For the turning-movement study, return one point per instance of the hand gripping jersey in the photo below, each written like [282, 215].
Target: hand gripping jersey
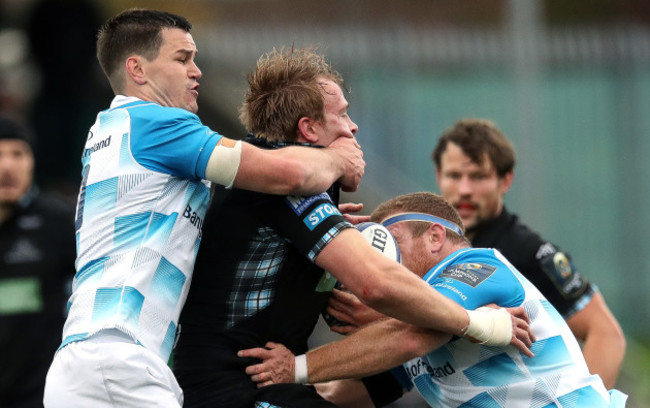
[466, 374]
[139, 217]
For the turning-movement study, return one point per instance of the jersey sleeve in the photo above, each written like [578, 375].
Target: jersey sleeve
[473, 283]
[559, 281]
[172, 141]
[309, 223]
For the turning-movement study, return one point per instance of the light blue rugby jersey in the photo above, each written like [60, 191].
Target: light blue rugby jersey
[139, 216]
[466, 374]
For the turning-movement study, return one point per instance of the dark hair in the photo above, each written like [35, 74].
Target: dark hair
[133, 31]
[10, 129]
[478, 139]
[425, 203]
[284, 88]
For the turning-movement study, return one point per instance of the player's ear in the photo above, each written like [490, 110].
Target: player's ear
[436, 236]
[135, 69]
[308, 129]
[506, 181]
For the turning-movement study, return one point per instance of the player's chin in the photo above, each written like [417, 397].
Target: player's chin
[192, 107]
[468, 218]
[10, 195]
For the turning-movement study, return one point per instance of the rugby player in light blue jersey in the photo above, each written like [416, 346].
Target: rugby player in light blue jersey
[448, 372]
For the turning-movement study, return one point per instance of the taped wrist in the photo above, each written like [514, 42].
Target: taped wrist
[224, 164]
[490, 326]
[300, 369]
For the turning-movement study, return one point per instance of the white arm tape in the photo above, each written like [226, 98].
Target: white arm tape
[300, 369]
[224, 164]
[490, 326]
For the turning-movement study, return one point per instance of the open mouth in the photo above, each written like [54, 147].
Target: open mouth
[465, 209]
[465, 206]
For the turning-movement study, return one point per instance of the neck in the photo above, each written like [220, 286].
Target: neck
[470, 233]
[448, 249]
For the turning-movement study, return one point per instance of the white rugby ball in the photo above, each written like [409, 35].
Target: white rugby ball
[381, 239]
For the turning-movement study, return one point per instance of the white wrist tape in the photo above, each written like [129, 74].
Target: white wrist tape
[490, 326]
[224, 164]
[300, 369]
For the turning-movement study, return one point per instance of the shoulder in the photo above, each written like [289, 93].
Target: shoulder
[151, 112]
[516, 240]
[518, 232]
[473, 264]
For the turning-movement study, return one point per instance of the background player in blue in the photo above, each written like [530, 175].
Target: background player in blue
[474, 169]
[270, 285]
[147, 166]
[455, 372]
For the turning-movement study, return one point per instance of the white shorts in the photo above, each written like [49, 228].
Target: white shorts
[110, 370]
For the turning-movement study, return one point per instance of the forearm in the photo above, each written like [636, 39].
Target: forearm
[291, 170]
[598, 329]
[408, 298]
[375, 348]
[606, 365]
[319, 168]
[389, 287]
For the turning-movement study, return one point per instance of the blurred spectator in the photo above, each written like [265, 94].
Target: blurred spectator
[37, 252]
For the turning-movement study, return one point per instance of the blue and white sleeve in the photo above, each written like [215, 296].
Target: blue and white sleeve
[172, 141]
[477, 284]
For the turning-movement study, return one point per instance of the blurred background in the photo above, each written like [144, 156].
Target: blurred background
[567, 81]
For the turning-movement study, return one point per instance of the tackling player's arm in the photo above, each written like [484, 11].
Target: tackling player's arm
[375, 348]
[390, 288]
[291, 170]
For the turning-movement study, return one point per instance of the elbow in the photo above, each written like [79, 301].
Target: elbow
[416, 344]
[619, 339]
[374, 293]
[378, 288]
[414, 341]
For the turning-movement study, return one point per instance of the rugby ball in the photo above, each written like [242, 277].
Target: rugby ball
[383, 241]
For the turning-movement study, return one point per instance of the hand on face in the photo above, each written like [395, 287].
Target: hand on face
[348, 149]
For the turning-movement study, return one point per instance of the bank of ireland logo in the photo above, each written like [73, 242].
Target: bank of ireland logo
[318, 214]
